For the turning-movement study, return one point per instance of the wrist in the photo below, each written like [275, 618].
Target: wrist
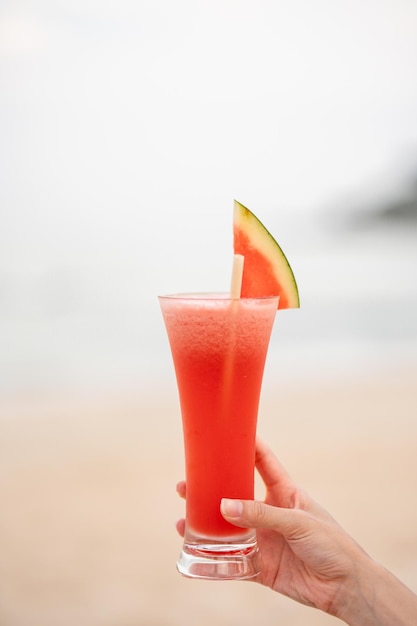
[350, 604]
[374, 597]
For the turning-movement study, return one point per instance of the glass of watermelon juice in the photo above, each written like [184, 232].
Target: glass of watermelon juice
[219, 346]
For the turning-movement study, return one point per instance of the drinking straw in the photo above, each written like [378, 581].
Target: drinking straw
[237, 275]
[235, 289]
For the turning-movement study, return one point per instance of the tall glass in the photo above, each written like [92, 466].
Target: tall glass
[219, 346]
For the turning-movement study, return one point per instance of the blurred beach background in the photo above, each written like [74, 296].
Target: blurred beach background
[126, 131]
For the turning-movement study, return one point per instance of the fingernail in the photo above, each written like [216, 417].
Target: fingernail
[231, 508]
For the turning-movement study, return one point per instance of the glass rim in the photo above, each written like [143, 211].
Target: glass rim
[213, 295]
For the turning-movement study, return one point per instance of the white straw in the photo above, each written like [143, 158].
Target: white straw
[237, 274]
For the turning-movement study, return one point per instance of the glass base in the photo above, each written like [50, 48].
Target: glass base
[219, 561]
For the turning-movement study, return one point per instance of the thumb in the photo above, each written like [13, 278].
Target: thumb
[254, 514]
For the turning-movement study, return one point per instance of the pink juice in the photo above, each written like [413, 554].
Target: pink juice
[219, 348]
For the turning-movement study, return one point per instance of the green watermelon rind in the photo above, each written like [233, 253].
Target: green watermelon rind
[262, 240]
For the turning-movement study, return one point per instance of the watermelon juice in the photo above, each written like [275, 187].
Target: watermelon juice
[219, 347]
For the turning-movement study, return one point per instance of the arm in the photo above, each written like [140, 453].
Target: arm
[381, 600]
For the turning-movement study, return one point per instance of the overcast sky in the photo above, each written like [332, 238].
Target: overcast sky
[128, 127]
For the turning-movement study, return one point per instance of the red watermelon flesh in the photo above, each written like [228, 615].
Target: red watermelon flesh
[266, 271]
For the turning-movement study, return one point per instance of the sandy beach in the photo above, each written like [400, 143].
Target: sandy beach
[88, 503]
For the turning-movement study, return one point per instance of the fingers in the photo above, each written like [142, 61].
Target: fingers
[180, 526]
[282, 491]
[181, 489]
[270, 469]
[291, 523]
[273, 474]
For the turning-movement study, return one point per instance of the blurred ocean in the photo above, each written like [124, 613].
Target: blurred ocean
[98, 328]
[126, 131]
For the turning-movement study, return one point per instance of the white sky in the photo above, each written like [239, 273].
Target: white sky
[128, 127]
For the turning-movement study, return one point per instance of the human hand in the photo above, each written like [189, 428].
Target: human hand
[307, 556]
[305, 553]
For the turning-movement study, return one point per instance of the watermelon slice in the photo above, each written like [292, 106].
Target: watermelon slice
[266, 271]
